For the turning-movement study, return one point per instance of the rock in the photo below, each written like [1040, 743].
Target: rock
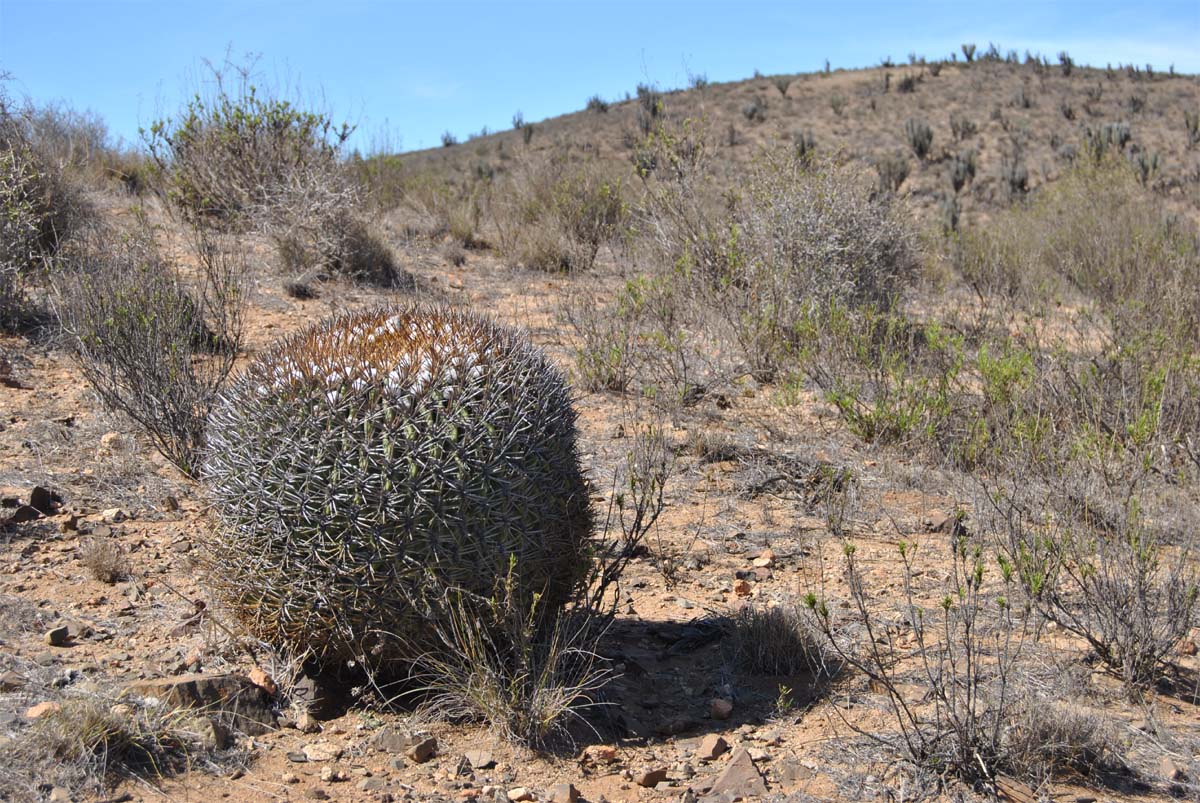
[43, 710]
[260, 678]
[316, 793]
[599, 754]
[742, 588]
[1187, 647]
[290, 778]
[44, 501]
[791, 772]
[334, 775]
[58, 636]
[520, 793]
[423, 750]
[396, 763]
[1171, 770]
[686, 604]
[11, 681]
[712, 747]
[321, 751]
[374, 784]
[59, 794]
[479, 759]
[740, 777]
[245, 705]
[650, 778]
[307, 723]
[720, 708]
[765, 560]
[563, 793]
[169, 504]
[297, 758]
[393, 740]
[113, 515]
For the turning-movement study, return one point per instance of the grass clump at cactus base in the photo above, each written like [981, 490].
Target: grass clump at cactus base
[362, 467]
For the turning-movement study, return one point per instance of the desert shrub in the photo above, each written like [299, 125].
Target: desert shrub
[606, 342]
[919, 136]
[1100, 142]
[1191, 124]
[1014, 176]
[962, 169]
[805, 144]
[232, 148]
[782, 82]
[962, 127]
[597, 104]
[554, 216]
[1101, 569]
[837, 102]
[892, 169]
[1147, 164]
[778, 640]
[951, 712]
[755, 110]
[104, 559]
[1095, 231]
[800, 236]
[427, 452]
[1068, 111]
[892, 381]
[95, 741]
[1049, 739]
[968, 51]
[41, 208]
[151, 346]
[907, 84]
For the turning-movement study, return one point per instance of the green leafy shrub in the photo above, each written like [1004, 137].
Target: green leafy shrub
[229, 153]
[364, 468]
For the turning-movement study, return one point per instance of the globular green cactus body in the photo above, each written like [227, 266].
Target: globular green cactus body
[363, 466]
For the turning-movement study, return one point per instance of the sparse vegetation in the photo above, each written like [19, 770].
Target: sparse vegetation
[919, 136]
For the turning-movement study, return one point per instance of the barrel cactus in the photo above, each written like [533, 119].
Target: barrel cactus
[362, 467]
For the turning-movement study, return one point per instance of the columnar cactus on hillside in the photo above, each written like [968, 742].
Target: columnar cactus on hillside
[366, 464]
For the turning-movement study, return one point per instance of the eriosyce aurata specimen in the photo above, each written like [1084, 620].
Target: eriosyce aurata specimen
[364, 466]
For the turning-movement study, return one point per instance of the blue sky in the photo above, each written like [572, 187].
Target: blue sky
[407, 71]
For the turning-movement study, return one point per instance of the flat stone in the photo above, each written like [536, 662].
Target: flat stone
[58, 636]
[563, 793]
[334, 775]
[423, 750]
[740, 777]
[599, 754]
[480, 759]
[374, 784]
[519, 793]
[393, 740]
[235, 697]
[711, 747]
[651, 778]
[321, 751]
[11, 681]
[316, 793]
[43, 710]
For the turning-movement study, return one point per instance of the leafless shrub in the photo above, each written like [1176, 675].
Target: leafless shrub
[1050, 739]
[97, 739]
[778, 640]
[104, 559]
[803, 233]
[150, 345]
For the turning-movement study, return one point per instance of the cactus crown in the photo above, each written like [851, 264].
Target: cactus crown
[363, 466]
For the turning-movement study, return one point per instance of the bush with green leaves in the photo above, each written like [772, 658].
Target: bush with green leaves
[364, 468]
[230, 150]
